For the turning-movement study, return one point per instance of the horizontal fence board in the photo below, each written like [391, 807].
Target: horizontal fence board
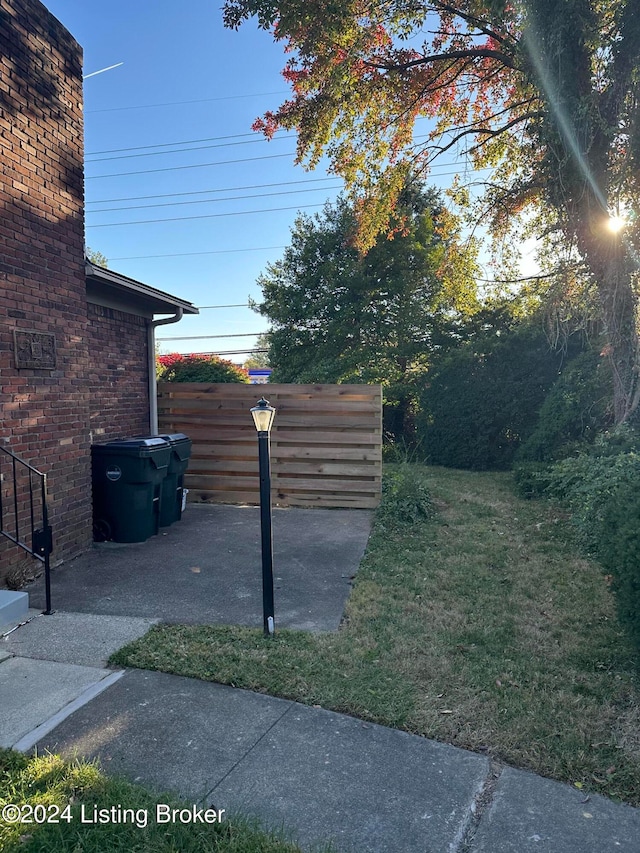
[311, 468]
[282, 455]
[346, 408]
[290, 418]
[230, 391]
[210, 432]
[326, 442]
[221, 496]
[326, 484]
[344, 501]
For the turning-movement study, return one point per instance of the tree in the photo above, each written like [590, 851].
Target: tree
[481, 399]
[260, 355]
[544, 91]
[96, 257]
[342, 316]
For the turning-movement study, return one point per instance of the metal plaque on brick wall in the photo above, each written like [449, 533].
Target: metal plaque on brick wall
[34, 349]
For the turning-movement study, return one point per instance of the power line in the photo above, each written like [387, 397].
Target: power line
[195, 166]
[182, 103]
[190, 254]
[211, 200]
[253, 135]
[170, 144]
[206, 192]
[182, 150]
[241, 305]
[235, 352]
[242, 160]
[205, 216]
[208, 337]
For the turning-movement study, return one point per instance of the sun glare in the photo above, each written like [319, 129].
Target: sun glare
[616, 223]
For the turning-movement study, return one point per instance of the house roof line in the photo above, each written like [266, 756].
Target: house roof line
[154, 300]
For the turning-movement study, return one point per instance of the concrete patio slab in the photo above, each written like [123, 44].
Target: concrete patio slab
[206, 569]
[530, 813]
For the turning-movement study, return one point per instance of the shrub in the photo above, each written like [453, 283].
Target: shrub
[574, 412]
[482, 399]
[406, 499]
[621, 552]
[531, 479]
[198, 368]
[602, 490]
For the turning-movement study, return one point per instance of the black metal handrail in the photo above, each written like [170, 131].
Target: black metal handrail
[40, 544]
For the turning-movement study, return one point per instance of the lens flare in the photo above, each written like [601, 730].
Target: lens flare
[616, 223]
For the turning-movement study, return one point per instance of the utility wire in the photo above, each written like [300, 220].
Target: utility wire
[196, 166]
[191, 254]
[243, 160]
[252, 137]
[182, 150]
[205, 216]
[212, 200]
[237, 352]
[205, 192]
[182, 103]
[171, 144]
[208, 337]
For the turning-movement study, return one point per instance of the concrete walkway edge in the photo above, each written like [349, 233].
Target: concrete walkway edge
[28, 741]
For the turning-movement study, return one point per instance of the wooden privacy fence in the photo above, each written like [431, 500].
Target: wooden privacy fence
[326, 442]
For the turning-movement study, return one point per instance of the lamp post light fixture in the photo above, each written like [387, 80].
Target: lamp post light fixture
[263, 415]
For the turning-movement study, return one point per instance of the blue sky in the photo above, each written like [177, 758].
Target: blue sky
[168, 137]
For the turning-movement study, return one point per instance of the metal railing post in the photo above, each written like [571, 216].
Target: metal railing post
[41, 545]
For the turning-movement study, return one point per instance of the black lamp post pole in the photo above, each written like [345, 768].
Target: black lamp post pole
[265, 525]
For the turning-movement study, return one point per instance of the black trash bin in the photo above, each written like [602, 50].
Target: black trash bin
[127, 480]
[173, 484]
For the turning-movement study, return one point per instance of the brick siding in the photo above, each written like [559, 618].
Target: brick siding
[44, 413]
[118, 374]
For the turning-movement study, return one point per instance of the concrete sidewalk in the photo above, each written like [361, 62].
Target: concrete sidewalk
[319, 775]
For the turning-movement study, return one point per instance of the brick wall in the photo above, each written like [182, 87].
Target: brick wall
[118, 378]
[44, 412]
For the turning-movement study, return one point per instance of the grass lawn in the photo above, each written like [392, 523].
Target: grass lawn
[480, 627]
[73, 792]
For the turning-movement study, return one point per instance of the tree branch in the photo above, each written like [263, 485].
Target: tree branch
[485, 131]
[468, 53]
[478, 23]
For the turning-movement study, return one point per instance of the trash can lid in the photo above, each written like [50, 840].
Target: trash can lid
[175, 437]
[134, 446]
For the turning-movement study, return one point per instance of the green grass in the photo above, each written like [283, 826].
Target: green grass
[481, 627]
[49, 782]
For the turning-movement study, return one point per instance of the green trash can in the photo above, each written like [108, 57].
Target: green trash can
[127, 477]
[173, 483]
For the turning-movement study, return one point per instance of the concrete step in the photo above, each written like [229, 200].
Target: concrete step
[14, 607]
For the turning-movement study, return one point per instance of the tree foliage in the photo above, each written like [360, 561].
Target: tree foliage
[260, 355]
[96, 257]
[543, 91]
[342, 316]
[481, 399]
[574, 412]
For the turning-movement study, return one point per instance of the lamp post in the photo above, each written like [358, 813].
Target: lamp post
[263, 415]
